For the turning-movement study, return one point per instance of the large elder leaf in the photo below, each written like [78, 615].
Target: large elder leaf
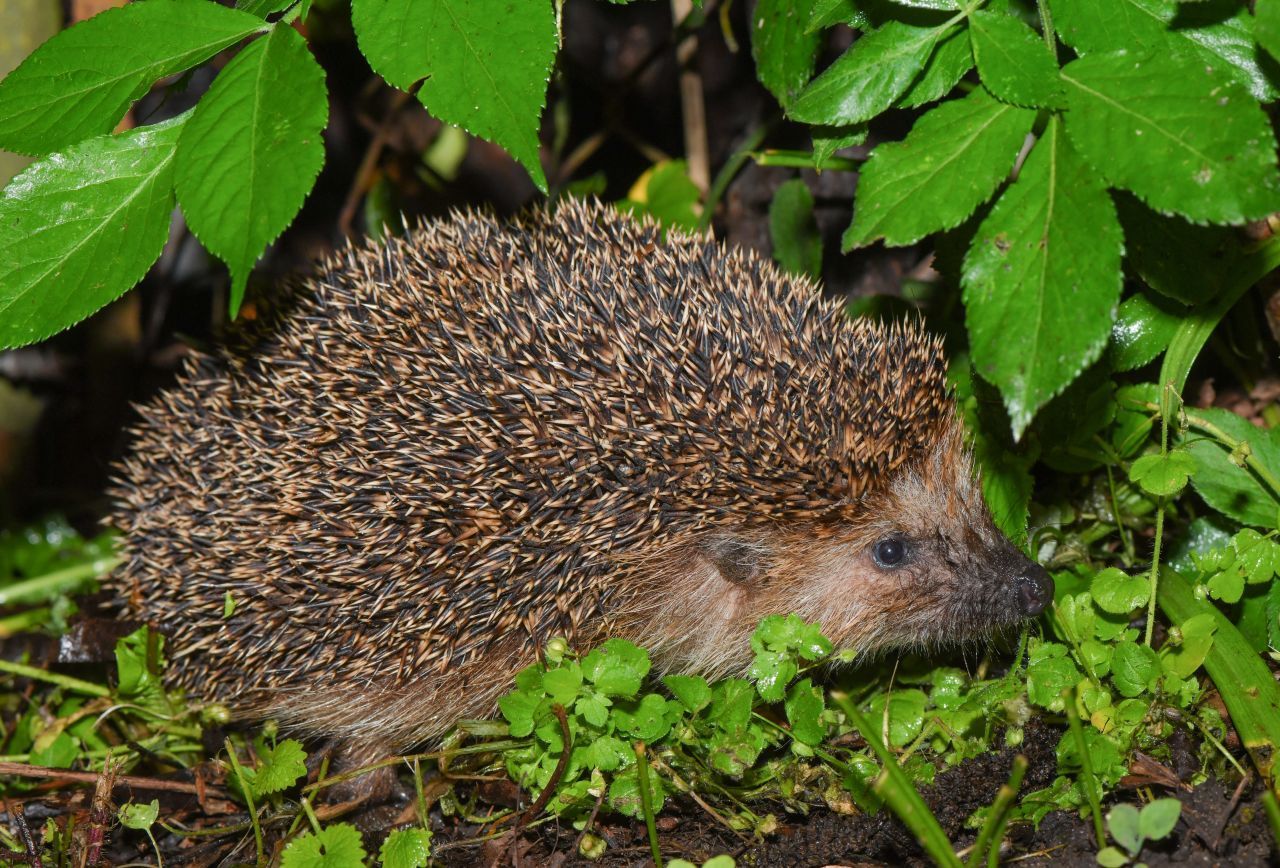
[252, 150]
[1013, 61]
[783, 51]
[1042, 279]
[82, 81]
[80, 227]
[484, 63]
[950, 163]
[1182, 136]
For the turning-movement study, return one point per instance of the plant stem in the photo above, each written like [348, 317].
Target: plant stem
[646, 801]
[993, 829]
[901, 796]
[1155, 572]
[731, 168]
[1046, 24]
[1087, 779]
[804, 160]
[248, 798]
[36, 674]
[57, 582]
[1273, 815]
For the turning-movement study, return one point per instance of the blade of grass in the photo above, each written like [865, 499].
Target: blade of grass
[1088, 781]
[646, 801]
[901, 795]
[993, 829]
[1273, 815]
[1250, 693]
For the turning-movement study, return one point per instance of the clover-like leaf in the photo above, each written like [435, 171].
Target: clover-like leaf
[335, 846]
[406, 848]
[1163, 474]
[1116, 592]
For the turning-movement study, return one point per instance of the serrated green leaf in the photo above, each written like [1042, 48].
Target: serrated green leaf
[79, 228]
[1162, 475]
[335, 846]
[1118, 593]
[1181, 136]
[804, 707]
[692, 691]
[1046, 256]
[1234, 491]
[941, 5]
[252, 150]
[783, 48]
[951, 59]
[828, 140]
[518, 709]
[1266, 14]
[1143, 328]
[906, 714]
[486, 63]
[81, 82]
[263, 8]
[869, 77]
[1216, 32]
[279, 767]
[951, 162]
[406, 848]
[797, 244]
[1183, 261]
[830, 12]
[1013, 62]
[1134, 668]
[616, 668]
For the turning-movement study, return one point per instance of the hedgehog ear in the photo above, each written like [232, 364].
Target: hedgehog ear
[739, 561]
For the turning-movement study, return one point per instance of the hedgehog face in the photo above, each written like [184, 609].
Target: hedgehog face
[926, 566]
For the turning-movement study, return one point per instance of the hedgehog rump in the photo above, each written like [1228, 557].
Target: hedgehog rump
[441, 452]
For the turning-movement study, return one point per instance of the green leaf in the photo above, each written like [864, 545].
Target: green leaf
[1142, 330]
[1163, 475]
[1180, 135]
[783, 48]
[279, 767]
[1122, 822]
[950, 163]
[1006, 486]
[138, 816]
[906, 714]
[869, 77]
[252, 150]
[797, 244]
[827, 13]
[486, 63]
[616, 668]
[82, 81]
[1111, 857]
[772, 672]
[1188, 655]
[1014, 63]
[406, 848]
[336, 846]
[647, 721]
[263, 8]
[1257, 556]
[608, 753]
[563, 684]
[1047, 255]
[1158, 818]
[79, 228]
[691, 691]
[140, 663]
[950, 60]
[1118, 593]
[1234, 491]
[1227, 586]
[1266, 14]
[666, 193]
[1134, 668]
[1178, 259]
[518, 708]
[1048, 678]
[804, 707]
[828, 140]
[624, 794]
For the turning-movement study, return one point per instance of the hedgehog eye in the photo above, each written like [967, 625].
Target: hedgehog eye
[890, 552]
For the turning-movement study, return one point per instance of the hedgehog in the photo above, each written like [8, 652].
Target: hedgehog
[380, 498]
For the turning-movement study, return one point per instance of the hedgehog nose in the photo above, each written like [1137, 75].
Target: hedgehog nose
[1035, 589]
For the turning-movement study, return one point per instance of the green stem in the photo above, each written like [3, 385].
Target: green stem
[1273, 815]
[35, 674]
[23, 622]
[804, 160]
[731, 168]
[646, 802]
[1155, 572]
[1200, 423]
[248, 798]
[57, 582]
[901, 796]
[993, 829]
[1088, 782]
[1046, 24]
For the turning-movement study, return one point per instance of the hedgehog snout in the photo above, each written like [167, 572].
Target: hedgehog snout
[1035, 589]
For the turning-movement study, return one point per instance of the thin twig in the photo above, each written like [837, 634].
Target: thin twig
[23, 770]
[369, 163]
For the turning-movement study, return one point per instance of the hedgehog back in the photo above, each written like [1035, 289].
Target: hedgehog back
[457, 436]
